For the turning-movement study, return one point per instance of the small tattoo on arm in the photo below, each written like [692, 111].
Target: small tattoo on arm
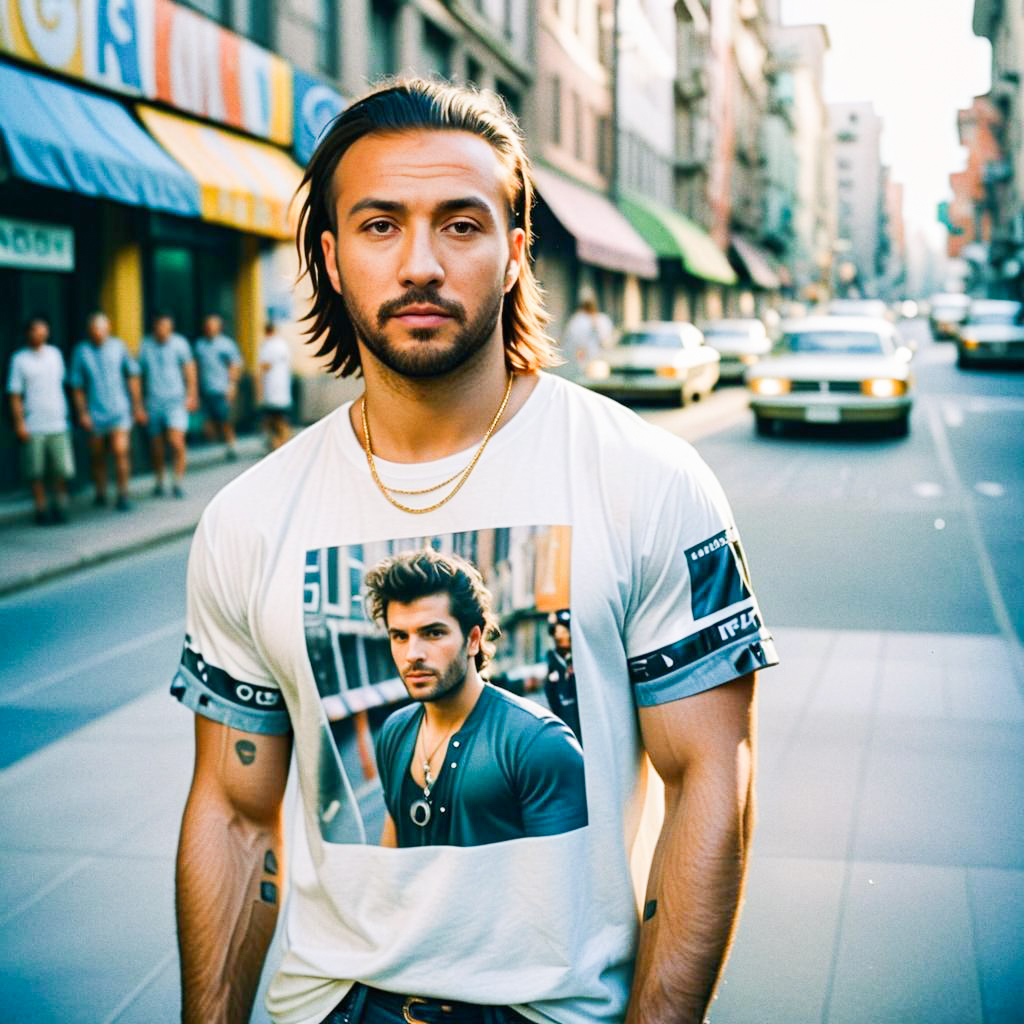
[246, 751]
[650, 909]
[270, 863]
[268, 892]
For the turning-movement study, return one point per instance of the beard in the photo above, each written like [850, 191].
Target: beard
[449, 682]
[427, 360]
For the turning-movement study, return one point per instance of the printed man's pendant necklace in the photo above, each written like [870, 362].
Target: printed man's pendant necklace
[420, 812]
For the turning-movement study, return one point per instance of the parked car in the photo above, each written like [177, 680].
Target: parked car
[659, 359]
[834, 370]
[993, 331]
[740, 343]
[947, 313]
[859, 307]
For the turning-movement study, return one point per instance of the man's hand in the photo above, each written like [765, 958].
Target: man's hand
[141, 416]
[22, 432]
[703, 748]
[85, 421]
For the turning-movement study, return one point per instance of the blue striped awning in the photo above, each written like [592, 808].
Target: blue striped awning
[67, 138]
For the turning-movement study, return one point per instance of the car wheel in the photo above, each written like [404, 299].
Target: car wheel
[764, 426]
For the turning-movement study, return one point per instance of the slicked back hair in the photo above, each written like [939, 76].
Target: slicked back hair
[408, 577]
[406, 105]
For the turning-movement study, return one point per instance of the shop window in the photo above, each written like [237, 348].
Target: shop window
[437, 49]
[190, 280]
[383, 59]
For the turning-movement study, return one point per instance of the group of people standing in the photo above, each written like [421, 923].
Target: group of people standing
[112, 390]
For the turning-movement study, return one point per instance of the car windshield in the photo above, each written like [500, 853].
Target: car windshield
[729, 331]
[994, 317]
[653, 339]
[851, 342]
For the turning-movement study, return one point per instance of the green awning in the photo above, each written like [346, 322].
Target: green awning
[675, 237]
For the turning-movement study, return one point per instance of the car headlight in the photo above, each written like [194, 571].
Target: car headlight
[748, 359]
[769, 386]
[669, 371]
[598, 370]
[883, 387]
[969, 342]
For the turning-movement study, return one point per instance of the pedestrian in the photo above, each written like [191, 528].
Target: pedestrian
[275, 386]
[39, 408]
[560, 682]
[416, 231]
[587, 331]
[169, 373]
[220, 366]
[108, 399]
[521, 769]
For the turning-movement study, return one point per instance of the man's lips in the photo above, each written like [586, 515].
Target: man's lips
[422, 316]
[420, 676]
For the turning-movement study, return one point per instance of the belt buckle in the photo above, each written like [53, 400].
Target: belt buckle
[407, 1006]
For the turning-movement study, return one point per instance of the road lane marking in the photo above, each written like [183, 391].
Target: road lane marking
[928, 489]
[988, 574]
[87, 664]
[990, 488]
[952, 414]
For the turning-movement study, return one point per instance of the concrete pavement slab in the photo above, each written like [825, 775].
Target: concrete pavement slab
[997, 905]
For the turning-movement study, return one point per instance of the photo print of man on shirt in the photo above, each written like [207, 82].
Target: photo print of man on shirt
[431, 656]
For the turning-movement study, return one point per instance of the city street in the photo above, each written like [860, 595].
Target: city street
[888, 875]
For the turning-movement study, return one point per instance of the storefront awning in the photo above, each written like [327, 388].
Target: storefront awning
[242, 183]
[603, 236]
[67, 138]
[756, 262]
[674, 236]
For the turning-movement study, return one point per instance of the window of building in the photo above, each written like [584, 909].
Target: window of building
[508, 19]
[474, 72]
[327, 36]
[556, 109]
[511, 96]
[577, 125]
[219, 10]
[437, 49]
[604, 149]
[383, 59]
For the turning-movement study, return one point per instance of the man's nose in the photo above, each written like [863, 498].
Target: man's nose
[421, 266]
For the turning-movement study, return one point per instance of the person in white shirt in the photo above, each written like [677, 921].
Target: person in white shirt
[586, 332]
[275, 391]
[39, 408]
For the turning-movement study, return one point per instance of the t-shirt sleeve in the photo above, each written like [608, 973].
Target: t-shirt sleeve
[15, 378]
[693, 622]
[77, 377]
[550, 781]
[221, 675]
[234, 355]
[130, 365]
[184, 352]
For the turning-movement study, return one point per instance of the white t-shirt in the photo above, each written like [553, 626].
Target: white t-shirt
[576, 503]
[38, 376]
[585, 335]
[277, 379]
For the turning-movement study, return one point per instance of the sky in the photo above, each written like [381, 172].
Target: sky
[918, 62]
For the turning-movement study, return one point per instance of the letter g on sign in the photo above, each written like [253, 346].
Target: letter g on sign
[52, 29]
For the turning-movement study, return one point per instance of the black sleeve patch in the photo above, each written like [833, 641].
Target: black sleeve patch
[246, 695]
[718, 574]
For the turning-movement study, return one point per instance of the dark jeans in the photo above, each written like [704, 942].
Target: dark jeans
[363, 1005]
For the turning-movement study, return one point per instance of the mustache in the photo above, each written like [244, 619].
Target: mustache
[421, 296]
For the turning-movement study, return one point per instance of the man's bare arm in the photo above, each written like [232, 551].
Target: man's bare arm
[230, 870]
[703, 747]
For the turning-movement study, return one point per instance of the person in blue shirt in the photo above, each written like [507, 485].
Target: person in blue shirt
[169, 374]
[220, 365]
[108, 399]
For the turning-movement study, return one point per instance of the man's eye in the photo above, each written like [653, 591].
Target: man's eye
[462, 227]
[379, 227]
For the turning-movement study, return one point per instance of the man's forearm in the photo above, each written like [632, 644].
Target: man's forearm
[230, 874]
[694, 894]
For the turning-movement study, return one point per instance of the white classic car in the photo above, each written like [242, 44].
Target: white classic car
[992, 331]
[658, 359]
[740, 343]
[834, 370]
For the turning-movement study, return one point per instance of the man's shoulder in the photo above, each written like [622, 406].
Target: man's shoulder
[527, 715]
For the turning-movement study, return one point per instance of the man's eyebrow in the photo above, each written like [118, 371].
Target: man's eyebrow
[447, 206]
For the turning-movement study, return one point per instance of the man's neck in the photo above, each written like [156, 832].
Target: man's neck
[450, 711]
[420, 420]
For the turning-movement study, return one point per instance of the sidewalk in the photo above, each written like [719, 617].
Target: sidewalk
[32, 554]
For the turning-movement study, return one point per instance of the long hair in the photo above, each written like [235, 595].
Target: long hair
[414, 574]
[410, 105]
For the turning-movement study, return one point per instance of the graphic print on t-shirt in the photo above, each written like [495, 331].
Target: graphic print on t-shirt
[514, 767]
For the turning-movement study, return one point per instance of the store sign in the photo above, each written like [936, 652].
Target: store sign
[316, 105]
[159, 50]
[30, 246]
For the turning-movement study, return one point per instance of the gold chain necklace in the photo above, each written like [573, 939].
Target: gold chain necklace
[458, 479]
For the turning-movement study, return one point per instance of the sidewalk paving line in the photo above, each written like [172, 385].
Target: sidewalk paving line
[125, 647]
[161, 965]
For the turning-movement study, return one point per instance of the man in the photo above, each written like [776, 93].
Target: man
[587, 331]
[416, 230]
[275, 395]
[560, 682]
[39, 408]
[169, 372]
[105, 390]
[521, 770]
[220, 365]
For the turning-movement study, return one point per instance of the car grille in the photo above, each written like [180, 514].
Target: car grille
[633, 371]
[841, 386]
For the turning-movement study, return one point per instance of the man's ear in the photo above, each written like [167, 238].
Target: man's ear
[516, 255]
[329, 245]
[476, 636]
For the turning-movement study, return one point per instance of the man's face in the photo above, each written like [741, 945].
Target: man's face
[99, 328]
[212, 326]
[430, 651]
[163, 328]
[563, 639]
[423, 254]
[38, 333]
